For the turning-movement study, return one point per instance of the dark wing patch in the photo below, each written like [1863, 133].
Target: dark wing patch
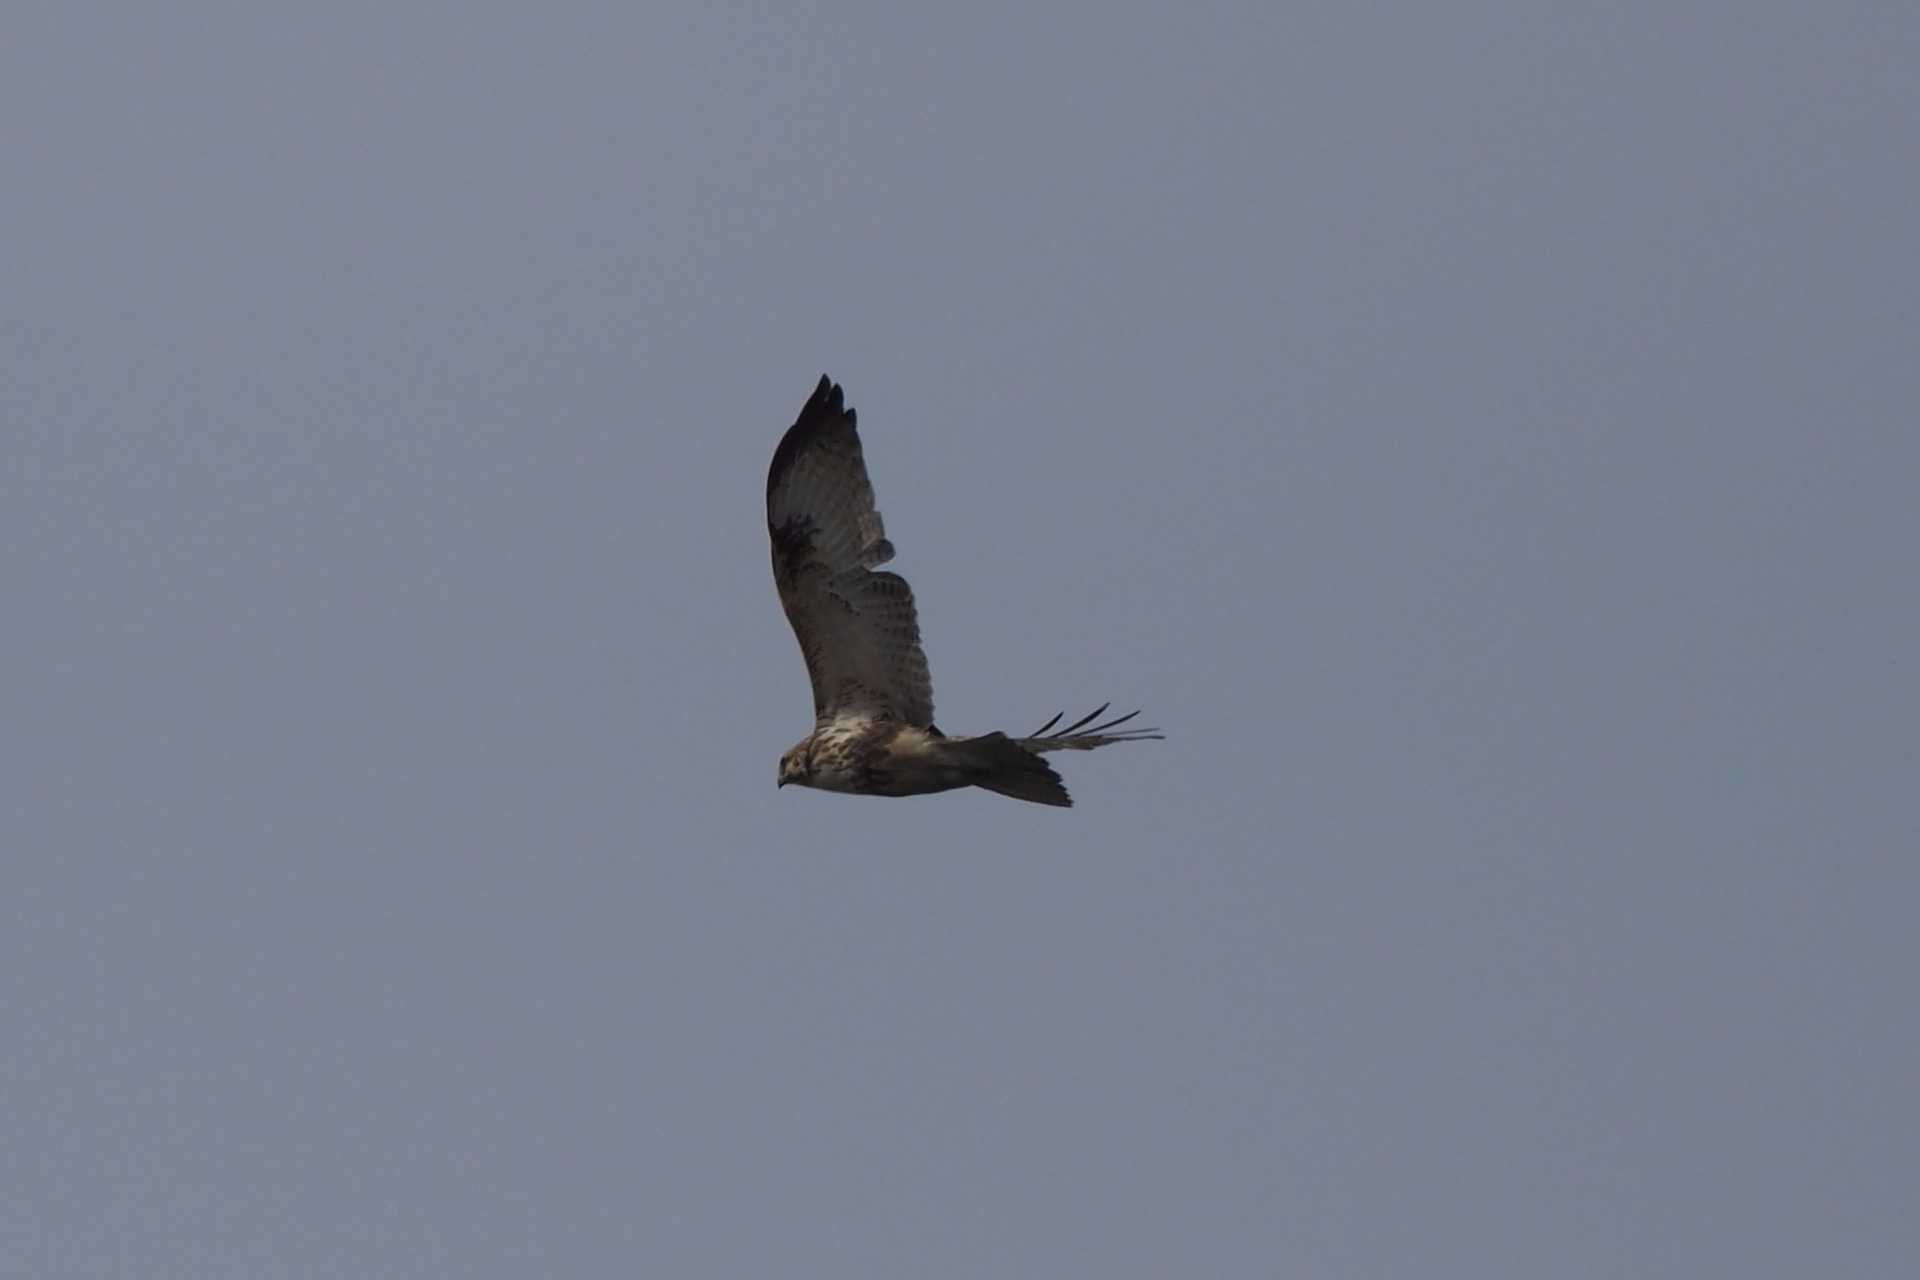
[858, 629]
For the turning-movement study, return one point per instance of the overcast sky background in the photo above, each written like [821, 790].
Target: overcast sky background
[1482, 435]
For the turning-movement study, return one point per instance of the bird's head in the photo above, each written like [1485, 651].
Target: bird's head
[797, 764]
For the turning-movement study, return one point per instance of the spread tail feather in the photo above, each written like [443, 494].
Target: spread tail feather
[1002, 765]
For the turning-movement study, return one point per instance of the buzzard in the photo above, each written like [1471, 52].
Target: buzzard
[873, 730]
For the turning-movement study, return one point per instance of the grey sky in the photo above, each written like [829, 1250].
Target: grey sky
[1482, 435]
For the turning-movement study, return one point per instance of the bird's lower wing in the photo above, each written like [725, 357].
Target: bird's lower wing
[1078, 736]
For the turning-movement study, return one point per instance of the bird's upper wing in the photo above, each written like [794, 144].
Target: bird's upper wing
[857, 629]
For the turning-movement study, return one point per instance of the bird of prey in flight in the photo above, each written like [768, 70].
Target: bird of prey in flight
[873, 730]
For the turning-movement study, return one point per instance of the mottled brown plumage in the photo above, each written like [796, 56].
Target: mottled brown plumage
[858, 631]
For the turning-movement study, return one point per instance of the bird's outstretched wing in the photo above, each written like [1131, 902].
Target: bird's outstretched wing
[857, 628]
[1078, 737]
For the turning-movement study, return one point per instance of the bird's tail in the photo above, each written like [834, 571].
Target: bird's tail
[1013, 767]
[1002, 765]
[1078, 737]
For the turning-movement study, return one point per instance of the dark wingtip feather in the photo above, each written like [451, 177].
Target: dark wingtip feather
[829, 399]
[1083, 721]
[824, 408]
[1076, 735]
